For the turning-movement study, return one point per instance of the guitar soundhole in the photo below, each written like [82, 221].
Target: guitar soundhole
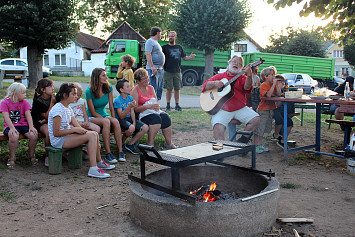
[211, 95]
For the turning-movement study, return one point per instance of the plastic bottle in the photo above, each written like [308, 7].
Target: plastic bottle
[347, 91]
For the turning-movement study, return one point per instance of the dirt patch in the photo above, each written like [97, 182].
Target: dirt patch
[34, 203]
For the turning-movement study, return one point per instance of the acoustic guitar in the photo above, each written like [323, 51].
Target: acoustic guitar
[213, 100]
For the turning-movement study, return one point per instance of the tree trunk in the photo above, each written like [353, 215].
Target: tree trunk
[209, 55]
[35, 61]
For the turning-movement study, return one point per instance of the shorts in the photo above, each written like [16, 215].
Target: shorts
[21, 130]
[126, 122]
[265, 125]
[279, 118]
[162, 118]
[172, 80]
[333, 107]
[244, 115]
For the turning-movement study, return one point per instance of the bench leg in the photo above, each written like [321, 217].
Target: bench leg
[55, 162]
[75, 158]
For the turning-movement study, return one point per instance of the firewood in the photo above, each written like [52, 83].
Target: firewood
[296, 220]
[295, 233]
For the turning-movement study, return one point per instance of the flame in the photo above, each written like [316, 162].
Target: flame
[208, 196]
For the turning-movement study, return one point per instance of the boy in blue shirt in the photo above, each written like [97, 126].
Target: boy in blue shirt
[124, 112]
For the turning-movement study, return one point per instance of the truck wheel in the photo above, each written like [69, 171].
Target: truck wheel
[189, 78]
[311, 91]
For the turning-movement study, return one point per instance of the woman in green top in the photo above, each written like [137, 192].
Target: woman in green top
[98, 95]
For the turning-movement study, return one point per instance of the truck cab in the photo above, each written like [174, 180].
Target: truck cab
[119, 48]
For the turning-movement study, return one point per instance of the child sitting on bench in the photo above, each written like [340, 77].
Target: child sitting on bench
[65, 131]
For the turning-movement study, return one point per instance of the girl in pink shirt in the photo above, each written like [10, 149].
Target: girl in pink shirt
[18, 120]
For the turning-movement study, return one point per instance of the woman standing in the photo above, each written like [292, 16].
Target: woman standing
[154, 117]
[98, 95]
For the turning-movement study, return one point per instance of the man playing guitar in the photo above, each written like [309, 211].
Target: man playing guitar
[235, 107]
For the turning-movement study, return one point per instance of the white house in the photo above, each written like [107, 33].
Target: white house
[70, 60]
[247, 45]
[342, 67]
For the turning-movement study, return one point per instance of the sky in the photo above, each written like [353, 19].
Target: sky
[267, 20]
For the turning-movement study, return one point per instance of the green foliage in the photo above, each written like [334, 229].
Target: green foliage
[349, 54]
[37, 25]
[42, 24]
[297, 42]
[342, 12]
[209, 25]
[141, 15]
[289, 186]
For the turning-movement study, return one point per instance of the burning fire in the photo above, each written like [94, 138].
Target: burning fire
[208, 196]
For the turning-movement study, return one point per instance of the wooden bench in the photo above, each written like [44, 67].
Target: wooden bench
[17, 75]
[348, 125]
[55, 155]
[75, 160]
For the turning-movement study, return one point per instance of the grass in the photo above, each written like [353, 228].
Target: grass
[7, 196]
[289, 186]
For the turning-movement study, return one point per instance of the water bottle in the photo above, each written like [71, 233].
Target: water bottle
[347, 91]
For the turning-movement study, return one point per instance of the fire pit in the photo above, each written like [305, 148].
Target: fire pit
[247, 204]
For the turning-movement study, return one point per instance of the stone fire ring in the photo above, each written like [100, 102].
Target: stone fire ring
[165, 215]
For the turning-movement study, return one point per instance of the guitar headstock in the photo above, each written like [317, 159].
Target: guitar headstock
[257, 63]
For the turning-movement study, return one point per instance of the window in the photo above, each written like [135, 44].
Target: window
[8, 62]
[21, 63]
[338, 53]
[240, 48]
[120, 47]
[45, 59]
[60, 59]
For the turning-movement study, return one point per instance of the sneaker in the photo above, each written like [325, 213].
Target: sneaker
[103, 165]
[168, 108]
[280, 143]
[121, 157]
[46, 162]
[178, 108]
[110, 158]
[97, 173]
[132, 149]
[264, 148]
[258, 149]
[275, 137]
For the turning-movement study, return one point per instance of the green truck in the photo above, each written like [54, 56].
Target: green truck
[192, 71]
[320, 69]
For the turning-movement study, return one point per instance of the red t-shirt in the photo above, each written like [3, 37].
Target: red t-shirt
[238, 100]
[266, 105]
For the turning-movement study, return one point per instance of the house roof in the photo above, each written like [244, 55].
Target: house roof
[254, 42]
[327, 44]
[88, 41]
[124, 31]
[2, 48]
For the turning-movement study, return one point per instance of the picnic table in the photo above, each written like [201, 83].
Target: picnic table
[346, 106]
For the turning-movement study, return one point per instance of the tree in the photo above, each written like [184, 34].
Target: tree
[297, 42]
[39, 25]
[349, 54]
[341, 11]
[209, 25]
[142, 15]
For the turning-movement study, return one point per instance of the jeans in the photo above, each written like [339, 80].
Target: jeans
[157, 81]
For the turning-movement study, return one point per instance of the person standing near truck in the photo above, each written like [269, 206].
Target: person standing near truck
[155, 61]
[172, 69]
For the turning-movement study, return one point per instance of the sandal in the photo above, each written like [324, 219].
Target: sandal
[10, 164]
[171, 146]
[34, 161]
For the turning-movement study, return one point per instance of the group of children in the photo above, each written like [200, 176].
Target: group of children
[273, 85]
[67, 121]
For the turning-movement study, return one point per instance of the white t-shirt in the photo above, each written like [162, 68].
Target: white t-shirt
[66, 114]
[78, 109]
